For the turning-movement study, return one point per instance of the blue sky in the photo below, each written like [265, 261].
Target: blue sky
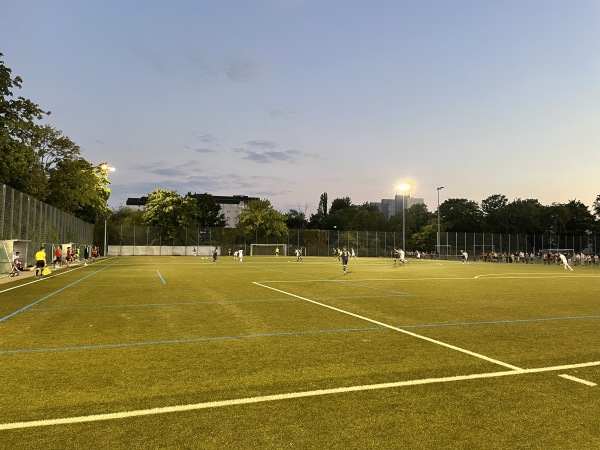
[287, 99]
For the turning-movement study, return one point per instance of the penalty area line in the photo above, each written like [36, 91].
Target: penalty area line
[577, 380]
[401, 330]
[279, 397]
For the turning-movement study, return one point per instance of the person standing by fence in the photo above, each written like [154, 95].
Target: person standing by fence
[40, 261]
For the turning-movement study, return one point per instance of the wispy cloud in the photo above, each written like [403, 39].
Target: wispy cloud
[168, 172]
[264, 151]
[204, 150]
[267, 157]
[280, 113]
[206, 138]
[244, 71]
[261, 143]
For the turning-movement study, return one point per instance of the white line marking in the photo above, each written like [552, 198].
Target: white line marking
[391, 327]
[277, 397]
[578, 380]
[528, 276]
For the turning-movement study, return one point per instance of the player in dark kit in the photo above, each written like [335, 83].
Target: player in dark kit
[344, 256]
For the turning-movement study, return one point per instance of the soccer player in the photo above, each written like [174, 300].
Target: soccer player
[57, 256]
[401, 256]
[464, 257]
[344, 256]
[564, 262]
[241, 255]
[215, 253]
[276, 251]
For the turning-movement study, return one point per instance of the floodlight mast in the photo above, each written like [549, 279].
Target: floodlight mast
[105, 169]
[438, 217]
[403, 188]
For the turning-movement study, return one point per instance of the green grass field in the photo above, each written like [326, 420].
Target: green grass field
[175, 352]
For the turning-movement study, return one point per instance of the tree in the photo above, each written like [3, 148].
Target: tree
[494, 213]
[18, 165]
[426, 238]
[460, 214]
[77, 187]
[318, 220]
[51, 146]
[127, 216]
[523, 217]
[260, 218]
[340, 204]
[363, 217]
[415, 217]
[580, 221]
[296, 220]
[209, 212]
[168, 212]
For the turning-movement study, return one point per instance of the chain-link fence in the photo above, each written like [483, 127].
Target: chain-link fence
[26, 224]
[142, 240]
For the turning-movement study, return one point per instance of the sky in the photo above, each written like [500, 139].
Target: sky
[289, 99]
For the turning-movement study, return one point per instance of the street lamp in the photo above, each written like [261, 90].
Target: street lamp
[105, 169]
[438, 214]
[403, 187]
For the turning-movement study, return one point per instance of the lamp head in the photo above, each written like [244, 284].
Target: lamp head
[403, 187]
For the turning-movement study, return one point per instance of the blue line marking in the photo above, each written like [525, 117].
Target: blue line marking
[184, 341]
[207, 302]
[52, 294]
[286, 333]
[160, 276]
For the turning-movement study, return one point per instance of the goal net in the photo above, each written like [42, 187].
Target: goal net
[268, 249]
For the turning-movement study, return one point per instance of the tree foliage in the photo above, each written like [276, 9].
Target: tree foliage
[40, 161]
[168, 212]
[261, 219]
[208, 214]
[317, 221]
[461, 215]
[296, 220]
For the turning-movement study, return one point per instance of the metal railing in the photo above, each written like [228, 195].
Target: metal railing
[141, 240]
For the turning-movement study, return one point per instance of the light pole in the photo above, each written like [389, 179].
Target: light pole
[105, 169]
[438, 214]
[403, 187]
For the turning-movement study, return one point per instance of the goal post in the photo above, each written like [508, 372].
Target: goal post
[268, 250]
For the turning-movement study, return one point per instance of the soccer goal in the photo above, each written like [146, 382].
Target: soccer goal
[268, 249]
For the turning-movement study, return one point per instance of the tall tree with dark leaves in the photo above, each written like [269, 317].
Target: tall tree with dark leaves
[209, 212]
[19, 166]
[317, 221]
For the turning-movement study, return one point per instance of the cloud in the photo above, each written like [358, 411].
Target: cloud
[255, 156]
[244, 71]
[280, 113]
[261, 143]
[206, 138]
[204, 150]
[271, 156]
[168, 172]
